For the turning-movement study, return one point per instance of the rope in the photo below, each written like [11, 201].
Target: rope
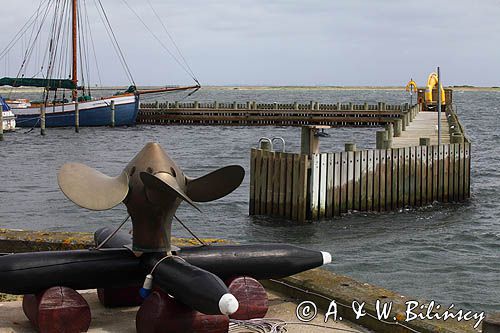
[112, 234]
[173, 42]
[192, 233]
[270, 325]
[114, 41]
[160, 41]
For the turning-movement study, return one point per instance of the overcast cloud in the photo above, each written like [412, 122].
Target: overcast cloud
[291, 42]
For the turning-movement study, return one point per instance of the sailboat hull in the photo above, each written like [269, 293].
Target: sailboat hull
[91, 113]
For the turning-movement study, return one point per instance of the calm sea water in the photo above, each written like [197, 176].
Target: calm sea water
[446, 252]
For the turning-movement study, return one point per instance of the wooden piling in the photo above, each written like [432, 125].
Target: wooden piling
[398, 127]
[457, 138]
[424, 141]
[381, 138]
[350, 146]
[389, 127]
[1, 122]
[77, 118]
[112, 113]
[42, 119]
[330, 183]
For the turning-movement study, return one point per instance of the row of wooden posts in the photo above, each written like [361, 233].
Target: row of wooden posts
[302, 187]
[77, 117]
[253, 105]
[268, 114]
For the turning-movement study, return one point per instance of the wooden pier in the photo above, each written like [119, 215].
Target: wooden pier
[270, 114]
[408, 169]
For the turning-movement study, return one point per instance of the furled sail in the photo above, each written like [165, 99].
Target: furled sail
[51, 84]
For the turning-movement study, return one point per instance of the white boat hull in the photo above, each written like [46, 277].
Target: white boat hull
[9, 121]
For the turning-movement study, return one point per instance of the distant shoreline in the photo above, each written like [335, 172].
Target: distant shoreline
[346, 88]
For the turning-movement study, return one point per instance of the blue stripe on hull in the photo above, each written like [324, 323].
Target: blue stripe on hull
[125, 115]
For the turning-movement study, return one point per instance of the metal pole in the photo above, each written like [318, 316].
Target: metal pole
[439, 106]
[77, 118]
[1, 122]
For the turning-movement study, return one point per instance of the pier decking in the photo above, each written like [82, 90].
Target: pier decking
[423, 126]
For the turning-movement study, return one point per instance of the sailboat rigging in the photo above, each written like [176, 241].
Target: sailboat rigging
[60, 111]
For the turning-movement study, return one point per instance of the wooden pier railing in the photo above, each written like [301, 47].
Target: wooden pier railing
[272, 114]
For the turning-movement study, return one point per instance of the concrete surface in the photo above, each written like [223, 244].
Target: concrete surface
[12, 318]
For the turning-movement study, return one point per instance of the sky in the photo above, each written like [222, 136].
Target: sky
[285, 42]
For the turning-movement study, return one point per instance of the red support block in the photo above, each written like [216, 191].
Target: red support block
[251, 296]
[57, 310]
[160, 313]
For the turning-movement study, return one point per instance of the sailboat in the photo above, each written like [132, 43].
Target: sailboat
[63, 98]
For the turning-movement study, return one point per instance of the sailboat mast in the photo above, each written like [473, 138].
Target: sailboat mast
[74, 74]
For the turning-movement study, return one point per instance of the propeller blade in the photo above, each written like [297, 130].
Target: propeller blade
[216, 184]
[91, 189]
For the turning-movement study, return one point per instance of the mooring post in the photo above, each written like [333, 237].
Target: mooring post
[424, 141]
[491, 323]
[295, 105]
[42, 119]
[350, 146]
[1, 122]
[196, 104]
[235, 106]
[77, 118]
[398, 127]
[457, 138]
[265, 144]
[309, 142]
[113, 113]
[390, 130]
[381, 138]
